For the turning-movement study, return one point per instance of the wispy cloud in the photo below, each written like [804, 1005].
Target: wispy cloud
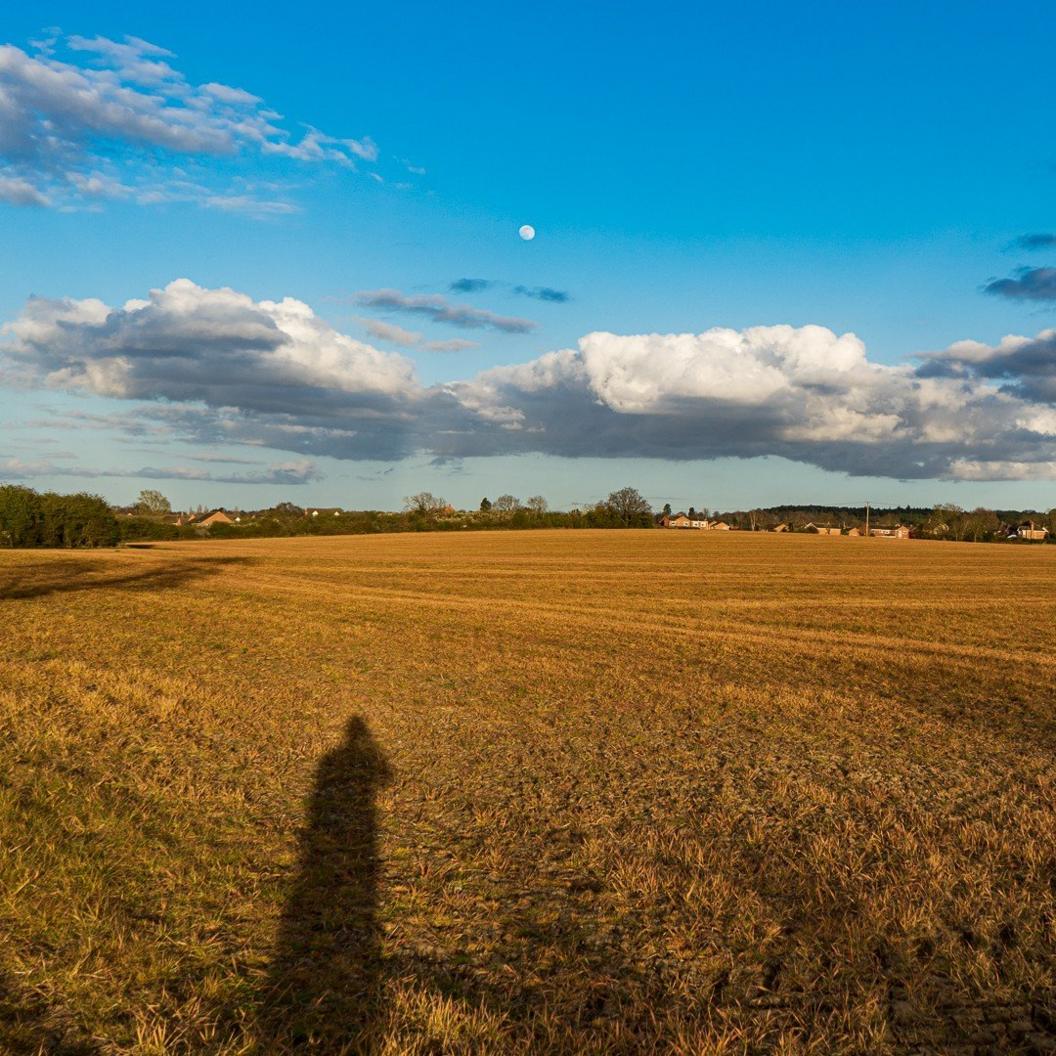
[470, 285]
[538, 293]
[1030, 284]
[397, 335]
[440, 310]
[113, 118]
[296, 472]
[1039, 240]
[456, 344]
[383, 331]
[543, 293]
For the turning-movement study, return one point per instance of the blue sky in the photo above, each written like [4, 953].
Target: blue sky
[863, 169]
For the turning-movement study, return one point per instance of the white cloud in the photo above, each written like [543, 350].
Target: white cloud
[969, 469]
[185, 342]
[248, 203]
[455, 344]
[16, 191]
[391, 332]
[440, 310]
[217, 366]
[293, 472]
[397, 335]
[114, 105]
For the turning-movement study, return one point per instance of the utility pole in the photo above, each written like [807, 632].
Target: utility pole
[867, 520]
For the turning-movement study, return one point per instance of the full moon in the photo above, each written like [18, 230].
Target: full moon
[527, 232]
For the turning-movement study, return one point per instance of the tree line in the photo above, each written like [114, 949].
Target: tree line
[426, 512]
[942, 521]
[48, 519]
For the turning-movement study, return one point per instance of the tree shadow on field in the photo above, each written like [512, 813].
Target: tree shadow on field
[323, 992]
[28, 1027]
[61, 577]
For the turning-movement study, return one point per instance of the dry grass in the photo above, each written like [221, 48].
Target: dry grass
[613, 792]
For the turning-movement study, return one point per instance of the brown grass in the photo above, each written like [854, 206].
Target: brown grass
[534, 792]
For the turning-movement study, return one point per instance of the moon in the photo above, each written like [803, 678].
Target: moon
[527, 232]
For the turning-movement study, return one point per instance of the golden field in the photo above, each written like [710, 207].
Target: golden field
[529, 792]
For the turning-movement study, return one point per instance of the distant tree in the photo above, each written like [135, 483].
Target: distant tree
[80, 520]
[424, 502]
[20, 515]
[151, 501]
[629, 507]
[667, 509]
[507, 503]
[537, 504]
[983, 524]
[485, 504]
[692, 512]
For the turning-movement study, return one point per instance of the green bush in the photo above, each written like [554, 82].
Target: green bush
[30, 519]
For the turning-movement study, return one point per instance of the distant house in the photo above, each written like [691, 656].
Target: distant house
[823, 529]
[892, 531]
[324, 511]
[784, 526]
[718, 526]
[218, 517]
[1032, 533]
[683, 520]
[856, 532]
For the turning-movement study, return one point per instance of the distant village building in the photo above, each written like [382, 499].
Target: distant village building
[324, 511]
[823, 529]
[784, 526]
[701, 524]
[895, 531]
[218, 517]
[1032, 533]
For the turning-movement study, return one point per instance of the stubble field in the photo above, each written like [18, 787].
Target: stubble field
[528, 792]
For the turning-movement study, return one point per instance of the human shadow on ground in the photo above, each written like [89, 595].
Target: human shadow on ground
[323, 991]
[62, 577]
[28, 1027]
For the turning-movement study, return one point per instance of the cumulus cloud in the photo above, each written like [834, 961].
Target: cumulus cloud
[1024, 366]
[804, 393]
[119, 108]
[219, 347]
[440, 310]
[1030, 284]
[215, 367]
